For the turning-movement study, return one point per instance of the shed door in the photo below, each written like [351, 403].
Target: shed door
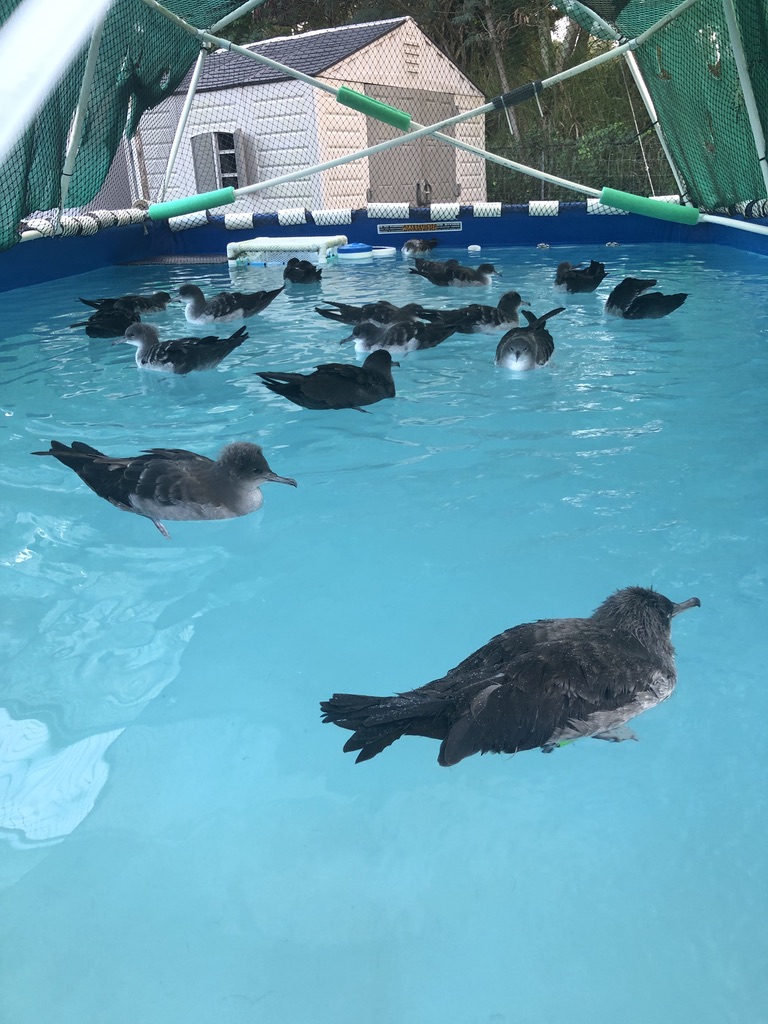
[394, 173]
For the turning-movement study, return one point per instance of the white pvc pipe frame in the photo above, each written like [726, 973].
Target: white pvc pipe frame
[746, 88]
[192, 89]
[420, 129]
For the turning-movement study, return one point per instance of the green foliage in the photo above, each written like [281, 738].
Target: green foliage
[583, 130]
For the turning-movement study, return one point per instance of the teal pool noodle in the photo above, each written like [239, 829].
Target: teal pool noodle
[205, 201]
[374, 108]
[649, 207]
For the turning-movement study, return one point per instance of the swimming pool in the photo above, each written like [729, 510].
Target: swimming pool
[186, 841]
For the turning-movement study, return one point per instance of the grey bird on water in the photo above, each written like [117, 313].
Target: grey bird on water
[540, 684]
[337, 385]
[171, 483]
[452, 274]
[225, 306]
[416, 246]
[525, 348]
[400, 338]
[182, 355]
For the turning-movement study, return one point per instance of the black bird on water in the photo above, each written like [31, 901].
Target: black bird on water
[154, 303]
[579, 280]
[171, 483]
[111, 322]
[380, 312]
[628, 301]
[302, 272]
[540, 684]
[337, 385]
[479, 319]
[525, 348]
[181, 355]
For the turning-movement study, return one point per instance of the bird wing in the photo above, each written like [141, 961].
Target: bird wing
[529, 698]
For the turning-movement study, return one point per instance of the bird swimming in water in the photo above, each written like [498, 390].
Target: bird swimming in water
[381, 312]
[108, 323]
[417, 246]
[225, 306]
[479, 319]
[628, 301]
[182, 355]
[540, 684]
[452, 274]
[171, 483]
[578, 280]
[337, 385]
[301, 272]
[525, 348]
[399, 338]
[154, 303]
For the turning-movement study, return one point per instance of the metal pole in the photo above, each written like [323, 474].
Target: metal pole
[73, 147]
[183, 118]
[249, 5]
[746, 88]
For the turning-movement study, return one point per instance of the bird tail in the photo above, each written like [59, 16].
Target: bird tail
[72, 455]
[538, 321]
[376, 722]
[280, 383]
[331, 314]
[240, 335]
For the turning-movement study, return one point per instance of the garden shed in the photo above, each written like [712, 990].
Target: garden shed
[250, 123]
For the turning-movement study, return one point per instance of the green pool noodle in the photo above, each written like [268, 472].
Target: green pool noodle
[374, 108]
[649, 207]
[192, 204]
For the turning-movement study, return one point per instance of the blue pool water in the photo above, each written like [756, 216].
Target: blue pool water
[183, 840]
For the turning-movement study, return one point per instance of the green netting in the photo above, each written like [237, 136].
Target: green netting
[142, 58]
[691, 74]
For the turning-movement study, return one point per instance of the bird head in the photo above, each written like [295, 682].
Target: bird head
[246, 462]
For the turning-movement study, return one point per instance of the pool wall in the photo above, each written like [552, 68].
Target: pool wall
[50, 258]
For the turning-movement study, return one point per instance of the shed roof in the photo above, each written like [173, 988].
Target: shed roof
[311, 52]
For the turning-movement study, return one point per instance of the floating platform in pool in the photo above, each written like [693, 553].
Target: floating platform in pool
[316, 248]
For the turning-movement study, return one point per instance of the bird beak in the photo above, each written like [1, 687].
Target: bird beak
[692, 602]
[119, 341]
[275, 479]
[395, 363]
[345, 340]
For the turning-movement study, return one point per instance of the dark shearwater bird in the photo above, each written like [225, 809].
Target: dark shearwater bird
[108, 323]
[337, 385]
[301, 272]
[154, 303]
[540, 684]
[628, 301]
[417, 246]
[401, 337]
[453, 275]
[577, 280]
[171, 483]
[225, 306]
[525, 348]
[182, 355]
[478, 319]
[381, 312]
